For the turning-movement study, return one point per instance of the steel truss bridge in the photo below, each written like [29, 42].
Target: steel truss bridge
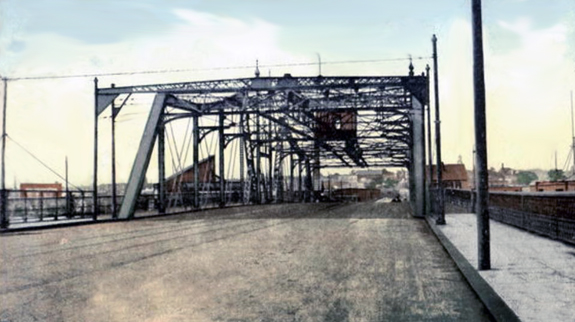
[306, 123]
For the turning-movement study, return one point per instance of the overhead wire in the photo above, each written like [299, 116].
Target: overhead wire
[183, 70]
[42, 162]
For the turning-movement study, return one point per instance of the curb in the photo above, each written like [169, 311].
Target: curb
[496, 306]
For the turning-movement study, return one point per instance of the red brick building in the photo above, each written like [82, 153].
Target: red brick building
[40, 190]
[453, 176]
[561, 185]
[206, 170]
[506, 188]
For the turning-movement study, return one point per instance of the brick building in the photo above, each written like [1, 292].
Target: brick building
[206, 170]
[453, 176]
[40, 190]
[561, 185]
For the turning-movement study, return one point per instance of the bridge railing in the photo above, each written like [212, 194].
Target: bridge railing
[551, 214]
[34, 206]
[24, 206]
[31, 206]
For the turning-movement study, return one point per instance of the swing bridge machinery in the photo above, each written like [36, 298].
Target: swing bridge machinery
[285, 129]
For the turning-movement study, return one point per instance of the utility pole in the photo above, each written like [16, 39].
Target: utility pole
[573, 137]
[440, 200]
[95, 178]
[482, 210]
[68, 208]
[4, 222]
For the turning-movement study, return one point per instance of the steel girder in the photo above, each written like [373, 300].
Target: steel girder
[382, 105]
[278, 110]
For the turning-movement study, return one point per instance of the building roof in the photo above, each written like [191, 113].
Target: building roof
[191, 167]
[450, 172]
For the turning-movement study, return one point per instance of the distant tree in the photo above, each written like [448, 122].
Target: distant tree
[555, 175]
[390, 183]
[526, 177]
[373, 183]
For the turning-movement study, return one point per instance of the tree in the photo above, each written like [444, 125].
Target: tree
[556, 175]
[526, 177]
[390, 183]
[373, 183]
[370, 185]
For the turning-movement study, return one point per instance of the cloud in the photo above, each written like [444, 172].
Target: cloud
[527, 94]
[53, 118]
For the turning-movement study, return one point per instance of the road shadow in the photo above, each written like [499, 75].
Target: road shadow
[357, 210]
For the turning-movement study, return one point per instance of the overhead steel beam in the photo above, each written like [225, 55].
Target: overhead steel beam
[294, 130]
[174, 101]
[276, 84]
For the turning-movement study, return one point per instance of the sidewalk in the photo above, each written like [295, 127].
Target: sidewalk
[534, 275]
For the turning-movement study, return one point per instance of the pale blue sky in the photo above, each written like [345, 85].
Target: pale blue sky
[529, 44]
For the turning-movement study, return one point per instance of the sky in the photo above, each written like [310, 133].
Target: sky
[529, 57]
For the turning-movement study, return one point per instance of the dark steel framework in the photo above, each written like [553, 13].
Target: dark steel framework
[278, 118]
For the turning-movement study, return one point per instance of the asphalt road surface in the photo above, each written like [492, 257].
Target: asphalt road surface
[293, 262]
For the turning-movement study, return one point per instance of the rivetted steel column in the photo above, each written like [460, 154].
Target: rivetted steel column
[258, 161]
[418, 160]
[113, 130]
[142, 159]
[95, 178]
[291, 173]
[300, 179]
[196, 148]
[161, 165]
[222, 147]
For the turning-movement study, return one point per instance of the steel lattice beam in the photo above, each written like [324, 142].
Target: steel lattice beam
[278, 110]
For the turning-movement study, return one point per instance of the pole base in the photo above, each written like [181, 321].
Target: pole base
[440, 221]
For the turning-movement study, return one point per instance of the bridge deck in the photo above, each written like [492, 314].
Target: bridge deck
[314, 262]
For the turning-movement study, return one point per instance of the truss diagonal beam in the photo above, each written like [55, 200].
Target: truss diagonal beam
[138, 174]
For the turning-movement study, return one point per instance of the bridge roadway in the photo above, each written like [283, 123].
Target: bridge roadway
[294, 262]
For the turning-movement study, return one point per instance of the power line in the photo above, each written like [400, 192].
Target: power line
[41, 162]
[182, 70]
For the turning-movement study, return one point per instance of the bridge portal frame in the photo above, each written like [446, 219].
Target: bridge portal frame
[281, 111]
